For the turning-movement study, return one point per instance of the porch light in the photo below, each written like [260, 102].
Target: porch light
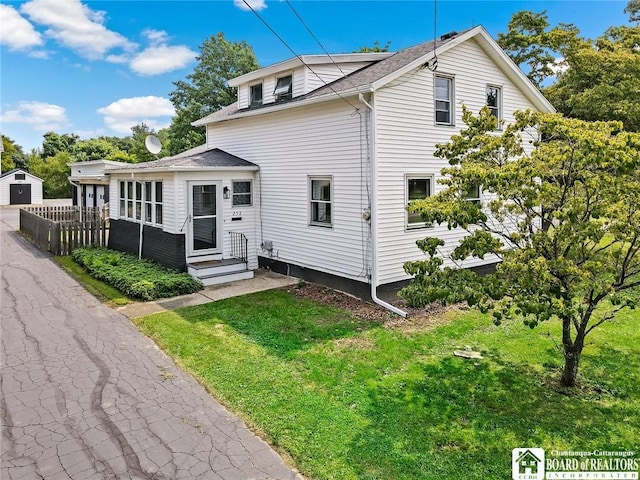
[225, 193]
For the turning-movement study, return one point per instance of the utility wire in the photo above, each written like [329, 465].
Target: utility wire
[320, 44]
[296, 55]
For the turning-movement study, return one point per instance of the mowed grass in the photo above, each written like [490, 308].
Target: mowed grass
[350, 399]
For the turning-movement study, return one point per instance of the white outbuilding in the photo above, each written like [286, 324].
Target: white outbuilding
[18, 187]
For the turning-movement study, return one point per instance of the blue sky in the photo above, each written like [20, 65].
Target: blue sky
[99, 67]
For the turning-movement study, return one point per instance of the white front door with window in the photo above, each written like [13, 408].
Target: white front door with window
[205, 227]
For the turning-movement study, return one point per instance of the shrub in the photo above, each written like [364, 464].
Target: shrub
[136, 278]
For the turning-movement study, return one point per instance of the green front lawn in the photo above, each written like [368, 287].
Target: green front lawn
[347, 398]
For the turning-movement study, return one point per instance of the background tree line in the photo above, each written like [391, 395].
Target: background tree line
[583, 78]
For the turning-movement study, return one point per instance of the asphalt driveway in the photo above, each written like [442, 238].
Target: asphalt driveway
[84, 395]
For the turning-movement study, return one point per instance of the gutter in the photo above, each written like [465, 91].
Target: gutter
[374, 220]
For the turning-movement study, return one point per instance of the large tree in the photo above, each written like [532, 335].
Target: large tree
[12, 155]
[536, 47]
[54, 143]
[582, 181]
[594, 79]
[205, 90]
[54, 172]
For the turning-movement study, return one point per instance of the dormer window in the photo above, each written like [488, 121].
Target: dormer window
[283, 88]
[256, 95]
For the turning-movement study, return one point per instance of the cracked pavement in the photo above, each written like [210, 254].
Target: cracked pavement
[84, 395]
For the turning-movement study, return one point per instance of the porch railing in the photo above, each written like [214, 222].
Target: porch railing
[239, 245]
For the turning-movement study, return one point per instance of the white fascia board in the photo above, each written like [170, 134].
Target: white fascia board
[428, 56]
[495, 52]
[283, 106]
[291, 63]
[94, 162]
[115, 173]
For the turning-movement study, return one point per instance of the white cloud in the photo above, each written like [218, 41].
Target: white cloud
[123, 114]
[41, 116]
[255, 4]
[76, 26]
[155, 37]
[161, 59]
[16, 32]
[559, 66]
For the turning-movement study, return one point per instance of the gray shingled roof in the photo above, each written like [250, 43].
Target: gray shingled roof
[194, 158]
[358, 80]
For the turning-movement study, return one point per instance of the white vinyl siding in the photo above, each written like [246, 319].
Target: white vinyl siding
[328, 73]
[406, 136]
[318, 139]
[10, 179]
[320, 198]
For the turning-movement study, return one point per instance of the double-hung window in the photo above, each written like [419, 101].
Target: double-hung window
[320, 199]
[494, 99]
[284, 88]
[255, 93]
[444, 100]
[241, 195]
[417, 188]
[473, 194]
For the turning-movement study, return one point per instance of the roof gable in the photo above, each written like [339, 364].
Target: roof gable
[381, 73]
[18, 170]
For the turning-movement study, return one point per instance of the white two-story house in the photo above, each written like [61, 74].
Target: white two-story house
[310, 171]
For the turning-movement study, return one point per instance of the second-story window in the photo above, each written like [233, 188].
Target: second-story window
[444, 100]
[284, 87]
[255, 95]
[493, 101]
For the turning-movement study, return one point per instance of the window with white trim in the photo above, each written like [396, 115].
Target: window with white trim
[320, 199]
[417, 188]
[241, 193]
[130, 201]
[255, 95]
[284, 88]
[494, 100]
[444, 100]
[473, 194]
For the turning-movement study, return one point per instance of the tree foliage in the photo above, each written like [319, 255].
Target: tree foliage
[532, 44]
[54, 143]
[376, 48]
[12, 155]
[54, 173]
[633, 10]
[205, 90]
[602, 80]
[582, 181]
[594, 79]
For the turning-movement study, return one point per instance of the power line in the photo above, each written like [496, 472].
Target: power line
[320, 44]
[296, 55]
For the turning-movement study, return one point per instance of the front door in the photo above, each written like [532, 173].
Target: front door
[205, 226]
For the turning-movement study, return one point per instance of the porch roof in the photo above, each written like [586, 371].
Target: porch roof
[198, 158]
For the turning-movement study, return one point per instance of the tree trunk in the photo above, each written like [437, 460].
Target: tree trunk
[571, 362]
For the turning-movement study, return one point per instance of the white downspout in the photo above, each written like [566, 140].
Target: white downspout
[374, 219]
[78, 191]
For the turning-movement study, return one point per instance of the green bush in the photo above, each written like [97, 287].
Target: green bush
[136, 278]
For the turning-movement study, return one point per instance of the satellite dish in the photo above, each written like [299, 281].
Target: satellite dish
[153, 144]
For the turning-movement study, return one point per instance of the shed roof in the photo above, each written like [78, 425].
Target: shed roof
[198, 158]
[18, 170]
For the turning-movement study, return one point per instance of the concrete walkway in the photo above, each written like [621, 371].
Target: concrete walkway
[263, 280]
[84, 395]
